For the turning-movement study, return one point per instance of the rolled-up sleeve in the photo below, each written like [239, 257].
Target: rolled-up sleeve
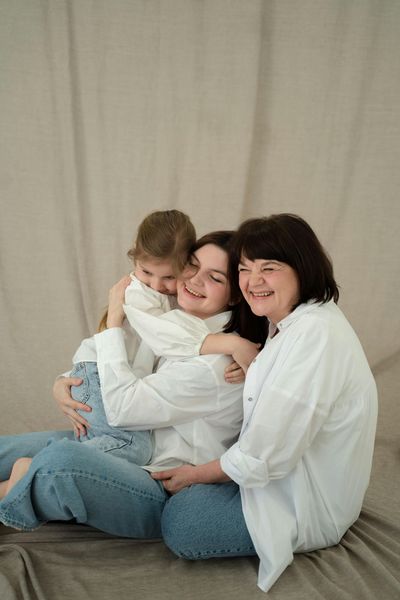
[86, 351]
[245, 469]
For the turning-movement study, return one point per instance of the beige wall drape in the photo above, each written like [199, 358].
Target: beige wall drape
[225, 109]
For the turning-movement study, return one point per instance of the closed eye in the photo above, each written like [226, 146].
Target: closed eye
[216, 279]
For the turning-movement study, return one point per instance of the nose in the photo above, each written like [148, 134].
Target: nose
[196, 278]
[157, 285]
[188, 272]
[255, 277]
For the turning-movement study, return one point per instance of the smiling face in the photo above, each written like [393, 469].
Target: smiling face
[156, 274]
[270, 287]
[205, 291]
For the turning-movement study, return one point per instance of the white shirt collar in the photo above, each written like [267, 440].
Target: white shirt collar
[293, 316]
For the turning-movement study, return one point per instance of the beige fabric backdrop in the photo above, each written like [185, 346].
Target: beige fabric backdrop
[225, 109]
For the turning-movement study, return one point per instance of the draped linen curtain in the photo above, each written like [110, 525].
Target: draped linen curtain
[225, 109]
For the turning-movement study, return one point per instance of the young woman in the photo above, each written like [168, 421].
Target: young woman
[194, 413]
[296, 478]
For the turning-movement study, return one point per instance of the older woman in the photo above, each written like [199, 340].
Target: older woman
[302, 463]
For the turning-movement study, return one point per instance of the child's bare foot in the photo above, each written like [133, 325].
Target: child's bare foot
[20, 468]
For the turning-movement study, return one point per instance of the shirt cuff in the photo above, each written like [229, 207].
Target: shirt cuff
[66, 374]
[110, 345]
[244, 469]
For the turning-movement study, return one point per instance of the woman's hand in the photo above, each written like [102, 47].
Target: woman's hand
[116, 299]
[234, 373]
[69, 406]
[174, 480]
[244, 352]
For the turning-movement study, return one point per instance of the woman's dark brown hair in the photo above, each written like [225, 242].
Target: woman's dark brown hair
[242, 321]
[289, 239]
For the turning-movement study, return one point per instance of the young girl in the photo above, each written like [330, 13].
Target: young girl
[159, 254]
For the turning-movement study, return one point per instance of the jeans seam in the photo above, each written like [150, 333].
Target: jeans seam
[83, 475]
[220, 551]
[123, 445]
[195, 555]
[11, 522]
[111, 483]
[6, 520]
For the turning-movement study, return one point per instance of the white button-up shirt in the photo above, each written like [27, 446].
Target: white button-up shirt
[303, 459]
[194, 414]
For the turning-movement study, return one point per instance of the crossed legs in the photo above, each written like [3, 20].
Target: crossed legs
[67, 480]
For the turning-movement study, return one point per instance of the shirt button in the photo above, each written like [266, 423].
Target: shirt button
[250, 399]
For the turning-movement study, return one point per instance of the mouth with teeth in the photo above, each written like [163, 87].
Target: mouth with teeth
[192, 293]
[261, 294]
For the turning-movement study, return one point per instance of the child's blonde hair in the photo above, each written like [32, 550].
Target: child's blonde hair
[165, 235]
[162, 235]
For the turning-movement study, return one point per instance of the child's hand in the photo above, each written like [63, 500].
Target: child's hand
[234, 373]
[116, 299]
[244, 352]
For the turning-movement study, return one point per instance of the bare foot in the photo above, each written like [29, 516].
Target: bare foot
[3, 489]
[20, 468]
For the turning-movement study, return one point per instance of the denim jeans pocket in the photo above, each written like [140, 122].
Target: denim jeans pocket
[80, 393]
[108, 443]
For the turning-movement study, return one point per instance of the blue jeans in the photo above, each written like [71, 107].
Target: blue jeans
[72, 481]
[135, 446]
[206, 521]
